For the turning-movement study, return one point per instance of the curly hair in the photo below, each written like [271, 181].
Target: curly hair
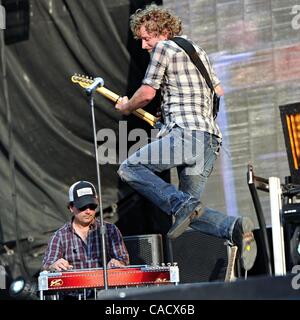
[156, 20]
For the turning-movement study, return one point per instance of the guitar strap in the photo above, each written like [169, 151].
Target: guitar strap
[192, 53]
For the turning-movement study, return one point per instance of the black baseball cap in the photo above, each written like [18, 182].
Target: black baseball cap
[82, 193]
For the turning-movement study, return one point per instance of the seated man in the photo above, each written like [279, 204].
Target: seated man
[77, 244]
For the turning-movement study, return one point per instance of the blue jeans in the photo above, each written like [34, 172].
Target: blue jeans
[193, 153]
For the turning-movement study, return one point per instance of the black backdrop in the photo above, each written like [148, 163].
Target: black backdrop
[46, 138]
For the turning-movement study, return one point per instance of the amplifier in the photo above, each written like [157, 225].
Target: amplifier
[291, 212]
[145, 249]
[200, 257]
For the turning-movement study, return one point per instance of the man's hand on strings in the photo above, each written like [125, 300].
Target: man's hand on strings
[113, 263]
[219, 90]
[60, 265]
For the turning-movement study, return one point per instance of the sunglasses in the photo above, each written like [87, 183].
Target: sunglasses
[90, 206]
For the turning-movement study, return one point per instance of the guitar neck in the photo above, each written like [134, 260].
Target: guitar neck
[148, 117]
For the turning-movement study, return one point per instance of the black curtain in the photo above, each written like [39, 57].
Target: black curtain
[49, 128]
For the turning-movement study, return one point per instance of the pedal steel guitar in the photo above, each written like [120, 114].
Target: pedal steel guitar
[117, 277]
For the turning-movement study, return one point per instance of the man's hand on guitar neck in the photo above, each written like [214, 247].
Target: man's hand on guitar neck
[139, 100]
[122, 105]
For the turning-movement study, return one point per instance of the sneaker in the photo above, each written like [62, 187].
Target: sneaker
[182, 221]
[243, 237]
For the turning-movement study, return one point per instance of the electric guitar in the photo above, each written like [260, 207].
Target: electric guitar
[85, 82]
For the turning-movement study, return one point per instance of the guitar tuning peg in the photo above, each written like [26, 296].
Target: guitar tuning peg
[175, 264]
[162, 264]
[169, 264]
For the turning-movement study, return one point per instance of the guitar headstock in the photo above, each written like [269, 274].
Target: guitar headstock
[83, 81]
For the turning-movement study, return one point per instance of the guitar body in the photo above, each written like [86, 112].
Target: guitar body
[216, 105]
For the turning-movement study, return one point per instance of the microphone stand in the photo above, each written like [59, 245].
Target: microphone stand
[102, 226]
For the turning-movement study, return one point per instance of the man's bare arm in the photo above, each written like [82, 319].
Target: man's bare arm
[140, 99]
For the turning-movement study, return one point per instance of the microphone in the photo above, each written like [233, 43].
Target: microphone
[97, 82]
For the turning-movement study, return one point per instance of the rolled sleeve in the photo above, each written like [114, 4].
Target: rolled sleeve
[157, 66]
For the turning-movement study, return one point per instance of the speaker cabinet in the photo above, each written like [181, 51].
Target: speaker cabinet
[17, 20]
[292, 249]
[260, 264]
[144, 249]
[200, 257]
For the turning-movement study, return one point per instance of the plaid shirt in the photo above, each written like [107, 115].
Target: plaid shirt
[186, 98]
[67, 244]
